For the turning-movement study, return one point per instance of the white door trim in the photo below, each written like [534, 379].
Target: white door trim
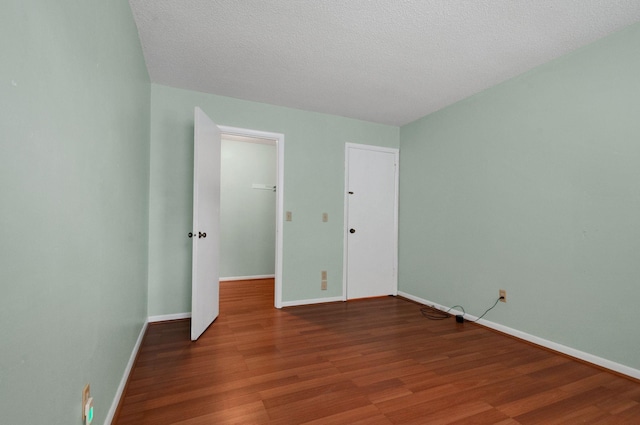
[279, 139]
[396, 153]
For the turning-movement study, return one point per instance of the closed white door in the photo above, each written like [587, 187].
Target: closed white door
[371, 232]
[205, 285]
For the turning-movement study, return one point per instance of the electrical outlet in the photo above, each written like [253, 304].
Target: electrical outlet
[323, 275]
[503, 295]
[288, 216]
[325, 217]
[86, 393]
[323, 280]
[323, 285]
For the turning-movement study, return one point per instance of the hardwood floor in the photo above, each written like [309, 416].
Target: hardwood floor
[375, 361]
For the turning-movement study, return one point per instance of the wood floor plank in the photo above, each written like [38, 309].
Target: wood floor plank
[374, 361]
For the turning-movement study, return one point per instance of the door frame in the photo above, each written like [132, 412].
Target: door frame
[279, 139]
[345, 261]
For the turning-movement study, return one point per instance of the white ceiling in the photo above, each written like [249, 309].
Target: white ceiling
[386, 61]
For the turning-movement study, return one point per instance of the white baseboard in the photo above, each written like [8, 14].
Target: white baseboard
[572, 352]
[260, 276]
[311, 301]
[167, 317]
[125, 376]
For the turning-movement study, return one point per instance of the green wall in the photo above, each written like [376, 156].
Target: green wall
[74, 149]
[533, 186]
[247, 215]
[314, 183]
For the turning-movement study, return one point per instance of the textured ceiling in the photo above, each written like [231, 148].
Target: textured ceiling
[386, 61]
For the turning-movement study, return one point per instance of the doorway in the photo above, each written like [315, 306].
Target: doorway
[371, 221]
[247, 208]
[240, 135]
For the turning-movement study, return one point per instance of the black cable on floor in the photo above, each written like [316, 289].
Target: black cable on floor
[433, 313]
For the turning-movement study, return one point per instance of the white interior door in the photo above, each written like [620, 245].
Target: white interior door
[205, 285]
[371, 221]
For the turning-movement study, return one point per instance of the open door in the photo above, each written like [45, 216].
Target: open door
[205, 285]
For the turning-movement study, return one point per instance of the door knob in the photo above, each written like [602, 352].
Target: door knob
[190, 234]
[352, 230]
[202, 235]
